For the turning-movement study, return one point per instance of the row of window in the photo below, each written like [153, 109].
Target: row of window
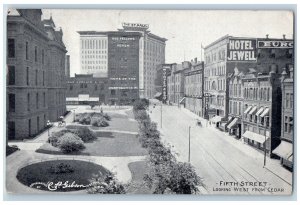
[11, 47]
[95, 56]
[235, 90]
[93, 44]
[213, 57]
[235, 108]
[215, 71]
[11, 80]
[219, 85]
[93, 52]
[93, 62]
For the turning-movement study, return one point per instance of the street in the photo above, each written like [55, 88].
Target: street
[218, 158]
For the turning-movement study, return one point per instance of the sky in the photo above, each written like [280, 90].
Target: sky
[185, 30]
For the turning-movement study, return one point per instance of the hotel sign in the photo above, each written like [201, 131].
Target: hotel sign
[275, 43]
[135, 25]
[241, 50]
[165, 69]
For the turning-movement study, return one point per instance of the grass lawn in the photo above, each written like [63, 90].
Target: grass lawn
[138, 170]
[115, 144]
[119, 124]
[43, 172]
[47, 148]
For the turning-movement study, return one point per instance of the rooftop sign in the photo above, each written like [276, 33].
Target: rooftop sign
[135, 25]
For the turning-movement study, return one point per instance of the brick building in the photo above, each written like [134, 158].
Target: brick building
[35, 73]
[261, 119]
[285, 149]
[193, 87]
[175, 81]
[235, 103]
[84, 89]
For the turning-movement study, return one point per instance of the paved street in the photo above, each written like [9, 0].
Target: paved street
[219, 157]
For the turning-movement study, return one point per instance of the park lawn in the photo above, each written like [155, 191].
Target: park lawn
[119, 124]
[115, 145]
[138, 170]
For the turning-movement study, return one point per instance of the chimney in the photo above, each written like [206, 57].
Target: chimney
[283, 36]
[267, 36]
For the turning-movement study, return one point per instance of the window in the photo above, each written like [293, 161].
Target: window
[29, 127]
[28, 101]
[27, 75]
[96, 87]
[43, 78]
[43, 57]
[12, 102]
[35, 54]
[37, 101]
[71, 87]
[81, 85]
[11, 75]
[26, 51]
[44, 99]
[11, 48]
[287, 100]
[291, 100]
[36, 77]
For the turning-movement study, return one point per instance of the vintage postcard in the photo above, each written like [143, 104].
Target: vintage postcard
[149, 101]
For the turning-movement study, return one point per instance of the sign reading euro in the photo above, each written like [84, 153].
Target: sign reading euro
[241, 50]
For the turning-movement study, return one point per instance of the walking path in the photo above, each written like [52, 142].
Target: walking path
[27, 155]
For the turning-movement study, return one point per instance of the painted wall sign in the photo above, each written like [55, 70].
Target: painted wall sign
[165, 69]
[241, 50]
[275, 43]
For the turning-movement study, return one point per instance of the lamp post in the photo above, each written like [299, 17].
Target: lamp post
[48, 125]
[189, 159]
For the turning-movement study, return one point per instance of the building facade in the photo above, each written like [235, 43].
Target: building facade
[84, 89]
[67, 66]
[235, 103]
[261, 119]
[285, 149]
[93, 53]
[175, 81]
[123, 63]
[193, 87]
[35, 73]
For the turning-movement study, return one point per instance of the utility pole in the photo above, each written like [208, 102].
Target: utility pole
[161, 114]
[189, 143]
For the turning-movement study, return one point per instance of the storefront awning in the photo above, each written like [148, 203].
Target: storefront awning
[157, 95]
[233, 123]
[71, 99]
[248, 109]
[182, 101]
[216, 119]
[252, 110]
[259, 111]
[265, 112]
[254, 136]
[284, 150]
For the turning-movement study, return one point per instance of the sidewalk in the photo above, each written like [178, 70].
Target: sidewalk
[272, 165]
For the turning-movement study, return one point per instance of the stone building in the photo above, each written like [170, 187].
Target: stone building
[193, 87]
[175, 80]
[285, 148]
[35, 73]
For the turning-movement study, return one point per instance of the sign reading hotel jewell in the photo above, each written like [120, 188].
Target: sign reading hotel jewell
[241, 50]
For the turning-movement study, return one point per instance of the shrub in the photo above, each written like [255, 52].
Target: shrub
[53, 139]
[85, 119]
[106, 116]
[105, 184]
[61, 168]
[99, 122]
[70, 142]
[141, 104]
[85, 134]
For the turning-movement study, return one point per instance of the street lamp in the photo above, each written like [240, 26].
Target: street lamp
[48, 125]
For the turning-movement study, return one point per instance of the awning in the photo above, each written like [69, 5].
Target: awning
[252, 110]
[233, 123]
[284, 150]
[259, 111]
[291, 158]
[254, 136]
[248, 109]
[216, 119]
[72, 99]
[157, 95]
[265, 112]
[182, 100]
[93, 99]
